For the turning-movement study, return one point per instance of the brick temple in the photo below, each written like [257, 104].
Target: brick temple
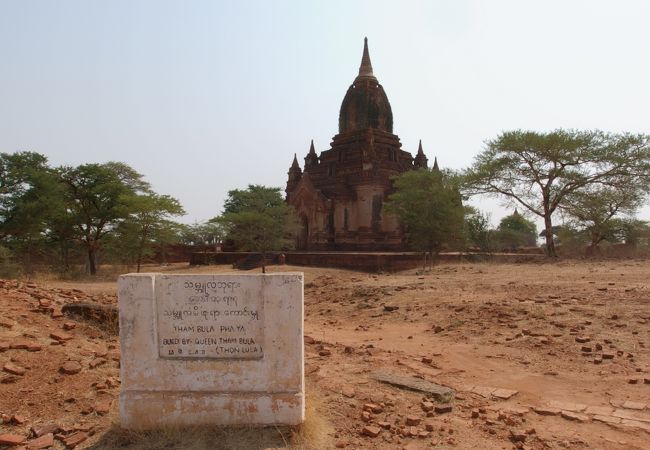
[339, 194]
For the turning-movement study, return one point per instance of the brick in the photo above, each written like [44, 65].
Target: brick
[96, 362]
[483, 391]
[567, 406]
[75, 439]
[11, 439]
[545, 411]
[607, 419]
[371, 431]
[102, 407]
[70, 367]
[569, 415]
[636, 424]
[427, 406]
[372, 407]
[634, 405]
[45, 441]
[40, 430]
[14, 369]
[516, 410]
[631, 415]
[504, 394]
[60, 336]
[442, 409]
[608, 356]
[599, 410]
[69, 325]
[582, 339]
[412, 420]
[20, 344]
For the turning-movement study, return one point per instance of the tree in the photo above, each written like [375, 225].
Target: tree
[29, 195]
[428, 205]
[596, 210]
[257, 219]
[516, 231]
[477, 229]
[99, 198]
[206, 233]
[539, 170]
[147, 222]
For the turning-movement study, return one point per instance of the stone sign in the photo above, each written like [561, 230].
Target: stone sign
[210, 319]
[211, 349]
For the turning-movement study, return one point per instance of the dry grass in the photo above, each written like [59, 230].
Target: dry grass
[311, 435]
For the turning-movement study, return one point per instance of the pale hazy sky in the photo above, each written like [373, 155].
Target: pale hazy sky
[206, 96]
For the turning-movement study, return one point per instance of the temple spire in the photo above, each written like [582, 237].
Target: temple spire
[365, 69]
[295, 164]
[435, 164]
[311, 158]
[420, 159]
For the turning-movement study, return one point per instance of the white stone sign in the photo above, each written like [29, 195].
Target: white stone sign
[199, 318]
[211, 349]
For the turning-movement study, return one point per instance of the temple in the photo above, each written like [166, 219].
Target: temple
[339, 194]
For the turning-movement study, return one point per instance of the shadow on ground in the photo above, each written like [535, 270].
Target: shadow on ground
[217, 438]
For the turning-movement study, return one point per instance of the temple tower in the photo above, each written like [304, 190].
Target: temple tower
[339, 196]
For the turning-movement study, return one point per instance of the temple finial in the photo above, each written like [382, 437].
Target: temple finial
[365, 70]
[420, 151]
[295, 165]
[435, 164]
[312, 151]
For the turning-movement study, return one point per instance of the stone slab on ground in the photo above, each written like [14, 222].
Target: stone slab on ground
[440, 393]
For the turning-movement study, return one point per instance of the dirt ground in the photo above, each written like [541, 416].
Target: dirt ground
[540, 356]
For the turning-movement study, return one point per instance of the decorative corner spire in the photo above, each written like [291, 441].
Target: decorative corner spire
[435, 164]
[365, 69]
[295, 164]
[421, 160]
[312, 151]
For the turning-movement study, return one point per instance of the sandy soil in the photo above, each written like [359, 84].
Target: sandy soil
[540, 356]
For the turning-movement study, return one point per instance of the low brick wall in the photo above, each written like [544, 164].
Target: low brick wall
[363, 261]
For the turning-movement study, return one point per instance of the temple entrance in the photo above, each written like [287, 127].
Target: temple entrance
[303, 234]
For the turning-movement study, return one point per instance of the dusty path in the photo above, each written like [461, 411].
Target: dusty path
[505, 337]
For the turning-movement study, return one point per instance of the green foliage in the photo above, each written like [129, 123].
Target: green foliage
[603, 212]
[147, 224]
[257, 219]
[99, 197]
[53, 214]
[516, 231]
[428, 205]
[206, 233]
[477, 230]
[8, 266]
[540, 170]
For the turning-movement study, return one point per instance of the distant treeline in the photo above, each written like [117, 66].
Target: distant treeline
[71, 217]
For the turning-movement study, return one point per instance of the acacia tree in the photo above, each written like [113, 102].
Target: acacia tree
[98, 198]
[428, 205]
[515, 230]
[539, 170]
[147, 223]
[598, 210]
[29, 195]
[258, 219]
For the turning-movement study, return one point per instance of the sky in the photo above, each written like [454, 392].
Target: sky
[202, 97]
